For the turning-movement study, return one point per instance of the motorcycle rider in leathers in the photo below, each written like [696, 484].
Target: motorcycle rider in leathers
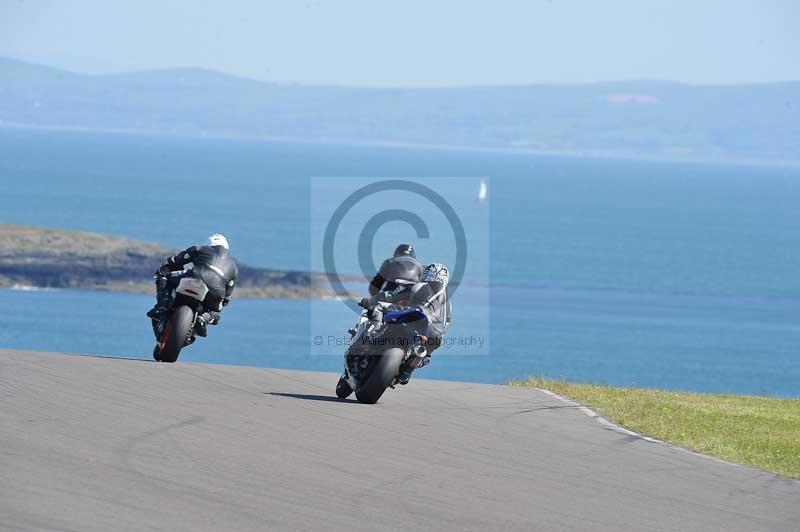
[213, 265]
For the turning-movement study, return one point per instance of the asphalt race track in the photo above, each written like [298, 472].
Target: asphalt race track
[98, 444]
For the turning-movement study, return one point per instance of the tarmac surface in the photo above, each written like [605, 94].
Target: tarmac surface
[101, 444]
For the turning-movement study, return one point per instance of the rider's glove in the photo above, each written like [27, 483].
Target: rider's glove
[364, 303]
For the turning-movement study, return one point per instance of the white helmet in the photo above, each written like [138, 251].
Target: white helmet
[218, 240]
[435, 272]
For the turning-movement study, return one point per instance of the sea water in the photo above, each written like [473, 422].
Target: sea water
[675, 276]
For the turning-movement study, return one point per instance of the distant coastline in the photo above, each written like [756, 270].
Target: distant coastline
[575, 154]
[751, 123]
[34, 258]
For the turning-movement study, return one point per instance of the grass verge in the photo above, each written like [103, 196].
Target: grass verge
[762, 432]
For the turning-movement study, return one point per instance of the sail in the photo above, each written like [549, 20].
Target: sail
[482, 191]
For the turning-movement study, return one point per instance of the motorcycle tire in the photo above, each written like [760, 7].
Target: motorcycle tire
[381, 376]
[175, 334]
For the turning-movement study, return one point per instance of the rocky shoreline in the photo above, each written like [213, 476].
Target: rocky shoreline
[48, 258]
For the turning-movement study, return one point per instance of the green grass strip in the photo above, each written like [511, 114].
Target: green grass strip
[762, 432]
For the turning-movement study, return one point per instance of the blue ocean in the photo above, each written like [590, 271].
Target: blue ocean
[673, 276]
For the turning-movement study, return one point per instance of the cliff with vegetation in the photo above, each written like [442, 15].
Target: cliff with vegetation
[48, 258]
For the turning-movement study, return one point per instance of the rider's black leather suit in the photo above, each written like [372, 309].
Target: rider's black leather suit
[214, 266]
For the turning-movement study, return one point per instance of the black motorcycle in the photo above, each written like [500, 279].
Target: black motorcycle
[386, 340]
[176, 328]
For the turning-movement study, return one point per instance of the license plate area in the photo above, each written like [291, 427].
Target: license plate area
[193, 288]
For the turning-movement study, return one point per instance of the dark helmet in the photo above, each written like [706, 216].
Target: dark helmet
[405, 250]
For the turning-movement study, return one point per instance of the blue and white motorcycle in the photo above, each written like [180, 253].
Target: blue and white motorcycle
[388, 343]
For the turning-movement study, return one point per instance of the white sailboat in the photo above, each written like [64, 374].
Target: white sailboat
[482, 191]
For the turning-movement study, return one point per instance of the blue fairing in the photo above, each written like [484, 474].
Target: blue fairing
[403, 316]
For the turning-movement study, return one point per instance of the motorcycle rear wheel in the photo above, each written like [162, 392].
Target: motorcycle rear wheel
[381, 376]
[175, 334]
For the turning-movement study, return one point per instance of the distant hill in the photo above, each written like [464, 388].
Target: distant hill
[758, 122]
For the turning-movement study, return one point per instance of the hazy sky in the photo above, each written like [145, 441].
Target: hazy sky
[417, 43]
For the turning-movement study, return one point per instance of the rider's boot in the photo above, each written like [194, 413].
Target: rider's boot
[200, 326]
[157, 312]
[405, 375]
[163, 298]
[343, 388]
[420, 357]
[204, 319]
